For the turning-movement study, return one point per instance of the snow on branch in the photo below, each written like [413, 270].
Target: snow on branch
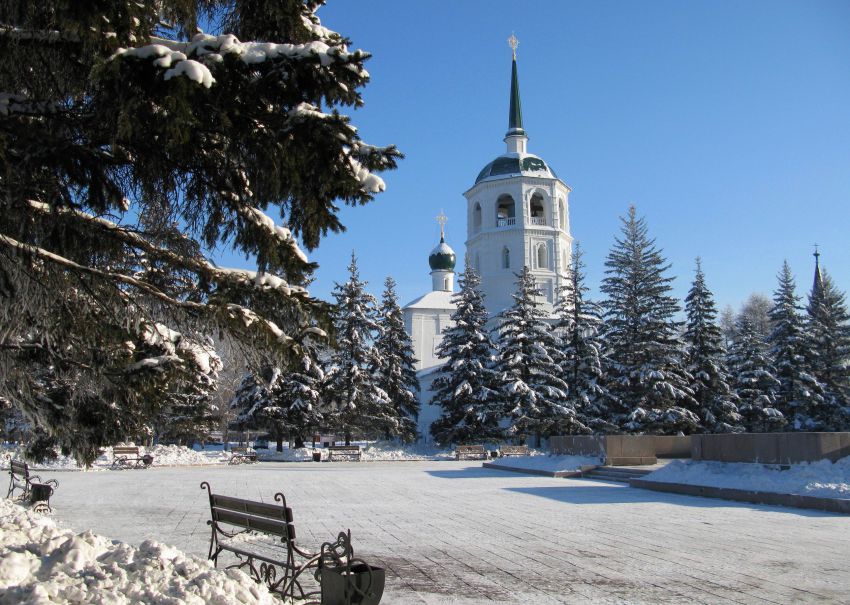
[263, 281]
[179, 58]
[369, 183]
[282, 234]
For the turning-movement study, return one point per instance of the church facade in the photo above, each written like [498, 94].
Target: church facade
[517, 216]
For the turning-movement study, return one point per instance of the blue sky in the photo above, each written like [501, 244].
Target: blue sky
[726, 123]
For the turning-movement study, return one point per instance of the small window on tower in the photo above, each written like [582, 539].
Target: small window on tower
[506, 258]
[542, 257]
[476, 217]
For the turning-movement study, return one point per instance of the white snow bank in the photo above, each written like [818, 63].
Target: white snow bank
[552, 464]
[287, 455]
[41, 564]
[382, 450]
[822, 479]
[163, 455]
[371, 451]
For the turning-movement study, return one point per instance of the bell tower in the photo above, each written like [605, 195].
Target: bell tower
[518, 215]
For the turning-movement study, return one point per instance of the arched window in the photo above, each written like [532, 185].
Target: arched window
[542, 257]
[505, 211]
[446, 283]
[536, 210]
[506, 258]
[562, 215]
[476, 217]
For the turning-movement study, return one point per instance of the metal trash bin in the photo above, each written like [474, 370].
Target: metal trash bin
[40, 496]
[147, 459]
[358, 584]
[317, 456]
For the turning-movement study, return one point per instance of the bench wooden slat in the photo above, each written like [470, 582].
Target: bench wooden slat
[19, 468]
[124, 450]
[264, 524]
[470, 451]
[262, 509]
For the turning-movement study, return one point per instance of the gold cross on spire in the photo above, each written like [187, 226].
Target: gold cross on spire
[441, 220]
[513, 43]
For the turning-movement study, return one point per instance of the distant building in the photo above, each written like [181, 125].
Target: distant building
[517, 216]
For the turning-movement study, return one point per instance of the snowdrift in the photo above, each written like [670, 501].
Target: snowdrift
[41, 563]
[822, 479]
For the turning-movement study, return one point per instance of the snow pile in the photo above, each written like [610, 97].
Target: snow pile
[383, 450]
[822, 478]
[302, 454]
[370, 451]
[41, 563]
[553, 464]
[163, 455]
[178, 455]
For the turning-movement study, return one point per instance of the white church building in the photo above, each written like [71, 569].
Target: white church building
[517, 216]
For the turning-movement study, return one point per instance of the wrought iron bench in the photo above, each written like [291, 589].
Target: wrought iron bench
[262, 537]
[470, 452]
[344, 452]
[127, 456]
[513, 450]
[31, 486]
[241, 455]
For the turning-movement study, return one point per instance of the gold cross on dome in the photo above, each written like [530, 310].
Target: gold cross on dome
[513, 43]
[441, 220]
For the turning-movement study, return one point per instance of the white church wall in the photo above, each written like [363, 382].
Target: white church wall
[428, 413]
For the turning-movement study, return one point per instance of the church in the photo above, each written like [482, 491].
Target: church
[517, 216]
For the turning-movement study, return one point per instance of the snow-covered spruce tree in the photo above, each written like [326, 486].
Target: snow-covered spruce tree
[800, 395]
[706, 358]
[465, 387]
[124, 135]
[828, 333]
[357, 403]
[252, 396]
[395, 367]
[190, 410]
[579, 325]
[529, 368]
[753, 379]
[296, 401]
[646, 372]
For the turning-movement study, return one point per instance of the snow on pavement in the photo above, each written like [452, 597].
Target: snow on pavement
[453, 532]
[41, 564]
[822, 478]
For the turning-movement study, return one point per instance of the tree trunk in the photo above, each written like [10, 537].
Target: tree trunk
[347, 437]
[299, 440]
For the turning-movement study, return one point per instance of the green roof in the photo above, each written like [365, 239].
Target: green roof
[515, 164]
[442, 258]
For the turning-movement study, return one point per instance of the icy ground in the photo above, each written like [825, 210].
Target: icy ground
[40, 564]
[453, 532]
[823, 478]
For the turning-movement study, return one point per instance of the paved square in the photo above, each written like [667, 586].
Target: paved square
[452, 532]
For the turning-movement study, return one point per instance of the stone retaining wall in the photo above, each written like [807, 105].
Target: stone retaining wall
[623, 450]
[771, 448]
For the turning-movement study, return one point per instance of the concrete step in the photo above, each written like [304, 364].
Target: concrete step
[610, 473]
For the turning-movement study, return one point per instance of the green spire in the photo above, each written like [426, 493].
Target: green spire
[817, 286]
[515, 115]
